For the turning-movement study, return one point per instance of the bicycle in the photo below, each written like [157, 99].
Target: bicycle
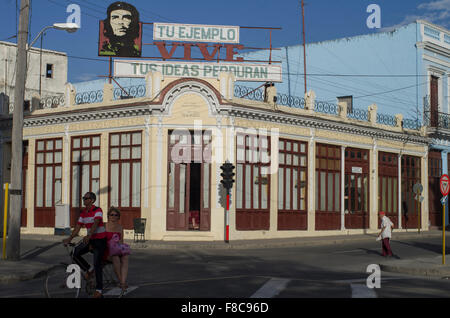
[56, 279]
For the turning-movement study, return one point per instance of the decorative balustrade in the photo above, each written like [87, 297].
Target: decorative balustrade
[249, 93]
[129, 92]
[358, 114]
[388, 120]
[414, 124]
[291, 101]
[326, 108]
[89, 97]
[53, 101]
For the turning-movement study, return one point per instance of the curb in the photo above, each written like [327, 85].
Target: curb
[432, 272]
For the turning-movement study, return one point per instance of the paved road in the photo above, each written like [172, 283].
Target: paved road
[337, 271]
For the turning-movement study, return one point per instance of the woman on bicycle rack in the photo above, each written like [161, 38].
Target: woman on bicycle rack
[117, 252]
[92, 218]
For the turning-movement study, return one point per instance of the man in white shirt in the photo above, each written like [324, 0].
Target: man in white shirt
[385, 234]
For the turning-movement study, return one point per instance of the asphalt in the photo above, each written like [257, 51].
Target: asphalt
[39, 252]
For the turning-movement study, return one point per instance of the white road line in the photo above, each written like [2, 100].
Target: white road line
[272, 288]
[362, 291]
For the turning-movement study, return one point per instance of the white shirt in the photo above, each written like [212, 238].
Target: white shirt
[387, 224]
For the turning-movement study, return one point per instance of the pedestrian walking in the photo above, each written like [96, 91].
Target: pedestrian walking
[385, 234]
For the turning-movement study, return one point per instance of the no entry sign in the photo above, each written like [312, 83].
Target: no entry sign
[444, 184]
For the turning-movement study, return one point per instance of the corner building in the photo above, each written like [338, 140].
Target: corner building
[309, 170]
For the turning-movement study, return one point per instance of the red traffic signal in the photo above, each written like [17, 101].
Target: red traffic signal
[227, 175]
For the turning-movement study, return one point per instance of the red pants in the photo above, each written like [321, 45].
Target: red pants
[386, 247]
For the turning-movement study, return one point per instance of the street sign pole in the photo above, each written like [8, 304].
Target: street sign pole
[444, 186]
[227, 237]
[443, 233]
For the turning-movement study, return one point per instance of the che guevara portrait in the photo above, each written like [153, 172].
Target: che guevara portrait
[121, 31]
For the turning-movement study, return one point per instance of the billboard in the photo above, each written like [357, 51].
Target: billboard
[120, 34]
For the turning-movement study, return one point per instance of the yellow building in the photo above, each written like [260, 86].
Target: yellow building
[300, 171]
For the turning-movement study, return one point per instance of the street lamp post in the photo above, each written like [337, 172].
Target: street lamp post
[13, 243]
[69, 27]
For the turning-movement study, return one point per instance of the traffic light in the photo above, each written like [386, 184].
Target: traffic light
[227, 175]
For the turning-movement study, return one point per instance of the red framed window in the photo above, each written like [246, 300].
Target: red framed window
[328, 178]
[125, 152]
[292, 175]
[252, 182]
[85, 158]
[48, 173]
[388, 183]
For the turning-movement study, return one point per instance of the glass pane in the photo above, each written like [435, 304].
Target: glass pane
[248, 184]
[302, 147]
[257, 181]
[303, 161]
[240, 155]
[303, 184]
[239, 183]
[323, 191]
[39, 186]
[289, 159]
[76, 143]
[383, 193]
[58, 157]
[172, 185]
[58, 172]
[86, 142]
[288, 189]
[240, 140]
[280, 188]
[264, 193]
[96, 141]
[395, 190]
[40, 145]
[85, 179]
[366, 195]
[206, 186]
[85, 155]
[389, 195]
[58, 192]
[75, 186]
[49, 157]
[295, 147]
[125, 139]
[295, 189]
[49, 186]
[352, 193]
[50, 145]
[95, 154]
[330, 207]
[295, 162]
[137, 139]
[281, 145]
[95, 186]
[317, 191]
[76, 156]
[115, 153]
[136, 191]
[281, 159]
[125, 153]
[125, 185]
[337, 192]
[95, 172]
[115, 140]
[288, 146]
[114, 184]
[182, 187]
[136, 153]
[40, 158]
[58, 144]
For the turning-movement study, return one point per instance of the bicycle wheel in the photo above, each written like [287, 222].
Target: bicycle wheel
[55, 284]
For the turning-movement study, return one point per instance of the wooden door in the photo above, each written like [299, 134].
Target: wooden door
[388, 185]
[178, 196]
[434, 101]
[356, 185]
[434, 193]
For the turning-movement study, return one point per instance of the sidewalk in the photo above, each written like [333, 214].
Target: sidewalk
[40, 253]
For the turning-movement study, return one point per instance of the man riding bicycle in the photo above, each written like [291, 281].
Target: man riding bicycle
[92, 218]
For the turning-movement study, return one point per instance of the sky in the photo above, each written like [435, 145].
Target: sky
[324, 20]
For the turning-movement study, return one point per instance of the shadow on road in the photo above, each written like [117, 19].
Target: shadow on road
[28, 255]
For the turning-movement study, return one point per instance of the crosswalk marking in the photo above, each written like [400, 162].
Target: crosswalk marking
[272, 288]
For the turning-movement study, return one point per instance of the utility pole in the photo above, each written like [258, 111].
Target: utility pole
[304, 45]
[13, 243]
